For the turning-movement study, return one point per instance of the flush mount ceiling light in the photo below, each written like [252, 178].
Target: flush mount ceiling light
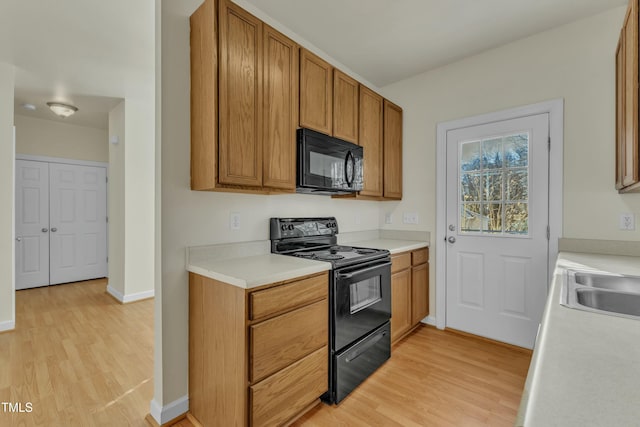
[62, 110]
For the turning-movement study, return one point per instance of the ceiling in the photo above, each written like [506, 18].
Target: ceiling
[94, 53]
[88, 53]
[386, 41]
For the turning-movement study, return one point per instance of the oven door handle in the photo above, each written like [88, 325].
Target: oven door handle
[359, 272]
[360, 351]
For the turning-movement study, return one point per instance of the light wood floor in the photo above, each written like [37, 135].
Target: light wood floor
[80, 357]
[435, 378]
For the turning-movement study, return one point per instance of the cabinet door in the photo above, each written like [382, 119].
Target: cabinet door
[204, 98]
[280, 110]
[419, 292]
[345, 107]
[392, 151]
[620, 114]
[370, 138]
[240, 104]
[400, 303]
[630, 29]
[316, 87]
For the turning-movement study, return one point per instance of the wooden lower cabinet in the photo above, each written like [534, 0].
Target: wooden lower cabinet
[409, 291]
[400, 303]
[257, 357]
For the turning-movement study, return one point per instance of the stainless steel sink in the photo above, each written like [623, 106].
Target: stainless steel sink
[615, 295]
[608, 281]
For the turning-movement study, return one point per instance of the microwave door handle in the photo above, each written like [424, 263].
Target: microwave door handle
[348, 178]
[363, 271]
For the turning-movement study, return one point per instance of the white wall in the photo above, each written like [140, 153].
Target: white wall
[192, 218]
[574, 62]
[7, 161]
[40, 137]
[116, 191]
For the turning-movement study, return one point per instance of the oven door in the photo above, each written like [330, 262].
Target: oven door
[362, 301]
[329, 164]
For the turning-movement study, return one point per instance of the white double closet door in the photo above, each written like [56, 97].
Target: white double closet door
[61, 223]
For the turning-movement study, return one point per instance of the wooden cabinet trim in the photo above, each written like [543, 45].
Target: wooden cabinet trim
[392, 151]
[400, 261]
[400, 303]
[420, 256]
[239, 97]
[280, 109]
[282, 396]
[316, 93]
[280, 341]
[286, 297]
[204, 88]
[419, 293]
[345, 107]
[370, 137]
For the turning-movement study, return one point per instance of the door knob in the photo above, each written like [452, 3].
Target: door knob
[18, 239]
[53, 230]
[451, 239]
[452, 227]
[44, 230]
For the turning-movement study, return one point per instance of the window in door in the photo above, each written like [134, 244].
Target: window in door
[494, 184]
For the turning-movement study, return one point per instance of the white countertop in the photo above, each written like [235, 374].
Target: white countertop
[393, 246]
[257, 270]
[261, 269]
[585, 369]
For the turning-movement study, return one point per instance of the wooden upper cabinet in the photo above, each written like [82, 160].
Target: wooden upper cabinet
[316, 89]
[627, 86]
[630, 165]
[620, 116]
[240, 79]
[371, 139]
[392, 151]
[280, 110]
[204, 93]
[345, 107]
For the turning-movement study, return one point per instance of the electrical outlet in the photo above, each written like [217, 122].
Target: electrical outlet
[357, 220]
[627, 222]
[410, 218]
[388, 218]
[234, 221]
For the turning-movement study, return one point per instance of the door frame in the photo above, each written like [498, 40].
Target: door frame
[555, 109]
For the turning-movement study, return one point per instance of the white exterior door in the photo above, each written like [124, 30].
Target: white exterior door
[497, 218]
[78, 220]
[32, 224]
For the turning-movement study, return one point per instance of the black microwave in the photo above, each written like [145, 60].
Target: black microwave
[327, 165]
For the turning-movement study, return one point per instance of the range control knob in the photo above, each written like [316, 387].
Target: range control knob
[283, 227]
[291, 227]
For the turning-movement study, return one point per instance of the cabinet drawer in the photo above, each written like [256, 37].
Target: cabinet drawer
[278, 342]
[420, 256]
[400, 261]
[286, 297]
[283, 395]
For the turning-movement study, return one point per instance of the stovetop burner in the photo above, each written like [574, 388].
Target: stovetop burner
[315, 239]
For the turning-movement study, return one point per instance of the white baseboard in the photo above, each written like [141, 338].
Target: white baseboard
[164, 414]
[429, 320]
[130, 297]
[8, 325]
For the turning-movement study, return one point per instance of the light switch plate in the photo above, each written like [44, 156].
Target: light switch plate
[388, 218]
[627, 222]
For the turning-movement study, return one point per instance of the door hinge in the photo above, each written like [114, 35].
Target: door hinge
[106, 179]
[548, 232]
[549, 143]
[107, 259]
[107, 220]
